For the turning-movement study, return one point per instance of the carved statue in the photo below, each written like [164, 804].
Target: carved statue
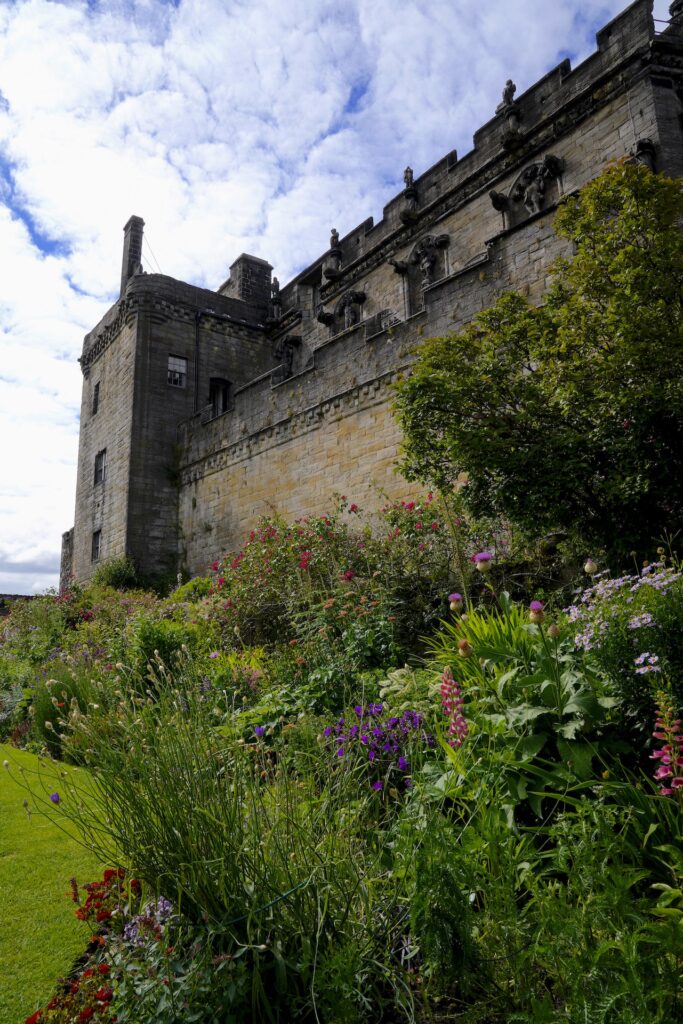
[424, 256]
[284, 351]
[350, 315]
[426, 264]
[334, 239]
[408, 177]
[534, 192]
[275, 300]
[509, 93]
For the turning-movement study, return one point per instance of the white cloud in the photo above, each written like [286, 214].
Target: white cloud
[229, 126]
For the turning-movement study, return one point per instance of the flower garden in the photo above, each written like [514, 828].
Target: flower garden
[327, 785]
[420, 765]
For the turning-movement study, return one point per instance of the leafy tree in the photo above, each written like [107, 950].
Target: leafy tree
[570, 415]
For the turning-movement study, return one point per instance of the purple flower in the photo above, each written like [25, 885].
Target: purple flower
[259, 730]
[377, 786]
[55, 797]
[214, 654]
[403, 764]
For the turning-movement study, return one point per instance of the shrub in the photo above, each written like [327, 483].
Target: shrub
[631, 627]
[119, 573]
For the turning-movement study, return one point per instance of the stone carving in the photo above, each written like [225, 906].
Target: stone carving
[645, 152]
[500, 200]
[332, 268]
[409, 212]
[425, 254]
[284, 351]
[324, 316]
[400, 266]
[348, 308]
[510, 108]
[275, 311]
[530, 188]
[508, 94]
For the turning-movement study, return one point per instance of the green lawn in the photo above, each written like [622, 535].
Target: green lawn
[39, 935]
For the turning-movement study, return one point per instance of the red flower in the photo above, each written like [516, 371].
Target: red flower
[353, 508]
[85, 1014]
[214, 566]
[104, 995]
[34, 1017]
[103, 915]
[103, 968]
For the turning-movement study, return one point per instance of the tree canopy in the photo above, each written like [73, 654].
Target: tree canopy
[569, 416]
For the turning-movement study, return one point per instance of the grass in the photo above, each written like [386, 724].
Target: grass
[40, 938]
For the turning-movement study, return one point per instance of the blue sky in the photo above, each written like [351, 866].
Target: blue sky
[229, 126]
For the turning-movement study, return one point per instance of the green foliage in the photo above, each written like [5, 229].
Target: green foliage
[618, 619]
[119, 573]
[285, 876]
[571, 415]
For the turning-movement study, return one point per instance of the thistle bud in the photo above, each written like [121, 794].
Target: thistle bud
[590, 567]
[465, 649]
[553, 631]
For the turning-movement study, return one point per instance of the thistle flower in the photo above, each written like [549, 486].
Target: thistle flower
[536, 613]
[465, 649]
[483, 561]
[455, 602]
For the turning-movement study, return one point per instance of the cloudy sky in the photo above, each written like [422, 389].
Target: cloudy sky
[229, 126]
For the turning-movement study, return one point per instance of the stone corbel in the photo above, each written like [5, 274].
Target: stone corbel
[645, 153]
[324, 316]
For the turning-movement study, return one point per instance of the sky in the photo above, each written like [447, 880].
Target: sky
[230, 126]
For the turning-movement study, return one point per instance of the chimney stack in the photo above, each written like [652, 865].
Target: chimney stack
[132, 250]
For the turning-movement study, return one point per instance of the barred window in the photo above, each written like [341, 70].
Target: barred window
[177, 371]
[96, 398]
[100, 466]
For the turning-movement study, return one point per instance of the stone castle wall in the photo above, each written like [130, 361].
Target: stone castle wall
[311, 367]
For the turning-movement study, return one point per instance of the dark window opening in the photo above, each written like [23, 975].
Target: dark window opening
[96, 546]
[100, 466]
[96, 398]
[177, 371]
[219, 395]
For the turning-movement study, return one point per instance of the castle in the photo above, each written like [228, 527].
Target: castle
[203, 410]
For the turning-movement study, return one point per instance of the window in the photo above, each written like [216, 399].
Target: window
[100, 466]
[96, 398]
[219, 395]
[177, 371]
[96, 546]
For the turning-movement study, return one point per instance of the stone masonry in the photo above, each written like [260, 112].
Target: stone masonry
[203, 410]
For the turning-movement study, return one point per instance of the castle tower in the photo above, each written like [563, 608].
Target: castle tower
[165, 352]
